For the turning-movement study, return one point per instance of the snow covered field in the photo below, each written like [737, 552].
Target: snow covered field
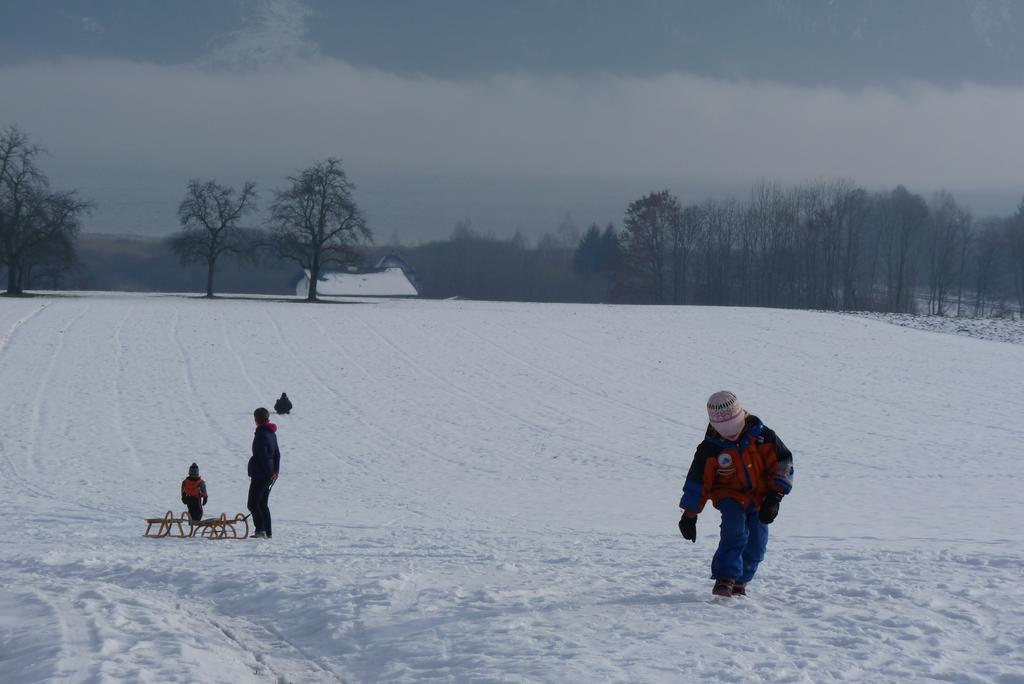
[998, 329]
[488, 492]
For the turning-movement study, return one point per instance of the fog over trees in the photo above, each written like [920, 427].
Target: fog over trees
[827, 245]
[830, 245]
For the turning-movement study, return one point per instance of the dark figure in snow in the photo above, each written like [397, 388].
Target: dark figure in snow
[193, 493]
[283, 406]
[744, 469]
[264, 466]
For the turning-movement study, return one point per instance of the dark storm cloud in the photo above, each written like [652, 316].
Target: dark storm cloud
[266, 101]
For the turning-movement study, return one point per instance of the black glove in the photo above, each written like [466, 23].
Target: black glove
[770, 508]
[204, 500]
[183, 499]
[688, 527]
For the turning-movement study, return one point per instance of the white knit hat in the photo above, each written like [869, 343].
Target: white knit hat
[726, 414]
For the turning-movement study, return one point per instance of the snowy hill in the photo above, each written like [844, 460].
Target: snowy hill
[488, 492]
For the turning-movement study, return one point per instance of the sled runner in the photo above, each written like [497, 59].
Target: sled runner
[221, 527]
[165, 526]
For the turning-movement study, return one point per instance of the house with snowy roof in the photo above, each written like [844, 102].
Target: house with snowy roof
[390, 281]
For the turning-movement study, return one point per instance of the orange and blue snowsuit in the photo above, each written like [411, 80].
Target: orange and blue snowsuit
[194, 495]
[736, 476]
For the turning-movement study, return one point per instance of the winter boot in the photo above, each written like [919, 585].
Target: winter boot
[723, 586]
[739, 589]
[260, 535]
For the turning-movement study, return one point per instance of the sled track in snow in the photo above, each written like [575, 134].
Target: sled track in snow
[356, 411]
[12, 467]
[326, 387]
[42, 391]
[449, 387]
[10, 332]
[119, 362]
[106, 629]
[456, 391]
[257, 395]
[33, 620]
[78, 631]
[35, 423]
[568, 381]
[367, 469]
[190, 383]
[554, 409]
[348, 355]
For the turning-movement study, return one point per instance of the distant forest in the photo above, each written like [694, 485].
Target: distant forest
[828, 245]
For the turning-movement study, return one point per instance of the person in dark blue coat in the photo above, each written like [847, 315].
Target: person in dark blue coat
[264, 466]
[283, 405]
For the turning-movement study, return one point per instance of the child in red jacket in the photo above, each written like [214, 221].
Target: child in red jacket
[744, 469]
[193, 493]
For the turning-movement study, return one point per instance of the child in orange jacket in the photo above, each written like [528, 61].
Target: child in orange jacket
[744, 469]
[193, 493]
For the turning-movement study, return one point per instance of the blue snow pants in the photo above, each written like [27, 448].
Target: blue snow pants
[742, 544]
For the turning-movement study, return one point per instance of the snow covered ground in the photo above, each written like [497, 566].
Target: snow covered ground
[997, 329]
[488, 492]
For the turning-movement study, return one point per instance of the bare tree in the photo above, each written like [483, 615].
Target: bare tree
[647, 231]
[826, 242]
[51, 260]
[778, 213]
[34, 220]
[947, 222]
[964, 238]
[721, 225]
[683, 235]
[965, 241]
[209, 217]
[852, 210]
[1015, 233]
[753, 241]
[901, 215]
[52, 227]
[987, 247]
[316, 222]
[21, 182]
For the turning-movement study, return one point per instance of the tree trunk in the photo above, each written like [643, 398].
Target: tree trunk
[13, 286]
[314, 276]
[960, 275]
[209, 277]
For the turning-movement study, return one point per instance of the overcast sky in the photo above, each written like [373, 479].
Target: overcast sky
[512, 114]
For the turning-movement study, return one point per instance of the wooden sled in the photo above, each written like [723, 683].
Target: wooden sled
[221, 527]
[165, 526]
